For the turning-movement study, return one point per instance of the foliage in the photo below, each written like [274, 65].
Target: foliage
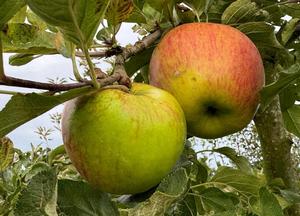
[40, 182]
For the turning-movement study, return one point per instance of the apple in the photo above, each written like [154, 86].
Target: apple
[214, 71]
[124, 143]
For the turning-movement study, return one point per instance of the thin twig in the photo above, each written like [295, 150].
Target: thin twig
[139, 46]
[101, 54]
[12, 81]
[129, 51]
[119, 75]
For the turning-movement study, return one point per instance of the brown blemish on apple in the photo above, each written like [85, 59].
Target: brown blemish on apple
[177, 74]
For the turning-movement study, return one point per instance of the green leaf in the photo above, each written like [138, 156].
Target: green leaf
[215, 10]
[272, 7]
[62, 46]
[20, 59]
[238, 180]
[164, 8]
[137, 15]
[269, 205]
[185, 207]
[172, 188]
[139, 3]
[35, 169]
[35, 20]
[270, 91]
[6, 153]
[77, 20]
[262, 35]
[240, 11]
[158, 5]
[58, 151]
[288, 30]
[19, 17]
[22, 108]
[175, 183]
[292, 9]
[77, 198]
[198, 6]
[39, 197]
[241, 162]
[138, 61]
[8, 9]
[213, 199]
[227, 213]
[291, 196]
[291, 118]
[118, 11]
[29, 39]
[288, 96]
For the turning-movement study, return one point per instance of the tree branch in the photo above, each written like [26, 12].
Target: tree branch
[126, 52]
[120, 70]
[12, 81]
[275, 143]
[130, 51]
[119, 74]
[142, 44]
[102, 54]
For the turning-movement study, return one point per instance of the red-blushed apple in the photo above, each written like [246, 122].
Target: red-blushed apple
[124, 143]
[214, 71]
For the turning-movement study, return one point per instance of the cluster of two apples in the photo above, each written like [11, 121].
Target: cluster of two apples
[125, 143]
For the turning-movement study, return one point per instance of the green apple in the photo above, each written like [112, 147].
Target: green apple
[124, 143]
[214, 71]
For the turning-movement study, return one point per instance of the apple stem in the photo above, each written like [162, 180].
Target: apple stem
[120, 69]
[139, 46]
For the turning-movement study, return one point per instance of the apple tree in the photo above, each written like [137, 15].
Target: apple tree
[45, 182]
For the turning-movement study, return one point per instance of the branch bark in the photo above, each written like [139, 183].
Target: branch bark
[120, 70]
[12, 81]
[119, 75]
[275, 143]
[130, 51]
[102, 54]
[142, 44]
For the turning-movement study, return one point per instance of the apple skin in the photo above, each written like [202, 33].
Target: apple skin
[214, 71]
[124, 143]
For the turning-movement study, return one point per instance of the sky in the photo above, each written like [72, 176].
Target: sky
[41, 69]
